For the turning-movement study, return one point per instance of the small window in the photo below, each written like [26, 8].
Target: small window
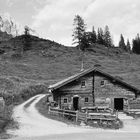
[65, 100]
[102, 83]
[83, 83]
[86, 100]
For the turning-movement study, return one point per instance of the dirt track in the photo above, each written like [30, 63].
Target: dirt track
[31, 123]
[34, 126]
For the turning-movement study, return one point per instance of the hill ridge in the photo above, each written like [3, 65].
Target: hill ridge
[47, 62]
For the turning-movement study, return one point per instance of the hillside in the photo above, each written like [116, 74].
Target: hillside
[47, 62]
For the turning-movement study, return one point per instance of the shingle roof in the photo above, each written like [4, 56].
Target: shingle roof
[69, 79]
[78, 75]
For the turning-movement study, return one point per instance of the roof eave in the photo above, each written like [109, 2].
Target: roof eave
[93, 70]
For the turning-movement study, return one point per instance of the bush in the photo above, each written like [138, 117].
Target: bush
[6, 119]
[25, 94]
[8, 98]
[32, 91]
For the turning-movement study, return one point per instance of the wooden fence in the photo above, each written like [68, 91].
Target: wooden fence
[133, 111]
[62, 112]
[80, 116]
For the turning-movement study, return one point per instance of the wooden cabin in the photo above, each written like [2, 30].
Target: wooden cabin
[93, 87]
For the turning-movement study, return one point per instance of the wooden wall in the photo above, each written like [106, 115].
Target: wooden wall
[135, 104]
[74, 89]
[104, 95]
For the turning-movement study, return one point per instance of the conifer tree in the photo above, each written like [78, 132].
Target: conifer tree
[122, 43]
[136, 45]
[85, 41]
[100, 39]
[94, 36]
[90, 38]
[128, 47]
[107, 37]
[79, 37]
[79, 30]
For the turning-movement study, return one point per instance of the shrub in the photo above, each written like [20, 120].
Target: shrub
[32, 91]
[25, 94]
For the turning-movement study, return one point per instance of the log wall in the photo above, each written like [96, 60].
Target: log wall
[75, 89]
[104, 94]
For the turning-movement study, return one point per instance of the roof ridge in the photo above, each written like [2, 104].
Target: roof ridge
[75, 76]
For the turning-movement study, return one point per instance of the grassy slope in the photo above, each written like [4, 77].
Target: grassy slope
[49, 62]
[4, 36]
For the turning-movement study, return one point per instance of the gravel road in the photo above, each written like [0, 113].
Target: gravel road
[34, 126]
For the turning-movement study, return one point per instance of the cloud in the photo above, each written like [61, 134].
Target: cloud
[55, 20]
[9, 3]
[36, 4]
[60, 10]
[121, 16]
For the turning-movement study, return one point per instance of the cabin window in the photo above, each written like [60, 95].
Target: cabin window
[83, 83]
[86, 100]
[102, 83]
[65, 100]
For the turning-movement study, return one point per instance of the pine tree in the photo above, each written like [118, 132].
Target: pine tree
[85, 41]
[79, 37]
[128, 47]
[136, 45]
[79, 30]
[90, 38]
[107, 37]
[93, 35]
[122, 43]
[100, 39]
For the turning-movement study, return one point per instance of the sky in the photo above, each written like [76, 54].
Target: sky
[53, 19]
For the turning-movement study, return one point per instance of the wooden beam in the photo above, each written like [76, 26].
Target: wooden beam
[93, 89]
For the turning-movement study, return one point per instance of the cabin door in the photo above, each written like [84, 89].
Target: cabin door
[118, 104]
[75, 103]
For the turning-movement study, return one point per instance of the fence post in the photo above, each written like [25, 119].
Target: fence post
[63, 113]
[117, 114]
[49, 110]
[76, 116]
[86, 116]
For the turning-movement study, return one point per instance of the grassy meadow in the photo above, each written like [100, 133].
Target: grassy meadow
[23, 75]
